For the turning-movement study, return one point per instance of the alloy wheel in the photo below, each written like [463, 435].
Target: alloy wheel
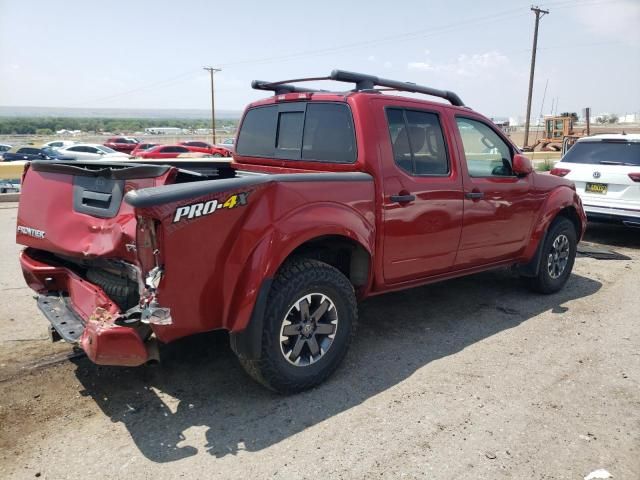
[558, 256]
[308, 329]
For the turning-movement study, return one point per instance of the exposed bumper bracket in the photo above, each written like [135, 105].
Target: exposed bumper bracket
[66, 324]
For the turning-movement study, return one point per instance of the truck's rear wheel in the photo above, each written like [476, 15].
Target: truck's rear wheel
[309, 321]
[558, 256]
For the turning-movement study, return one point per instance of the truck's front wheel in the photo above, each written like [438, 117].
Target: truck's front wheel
[557, 257]
[309, 320]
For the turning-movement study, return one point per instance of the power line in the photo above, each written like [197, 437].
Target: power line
[505, 15]
[163, 83]
[501, 16]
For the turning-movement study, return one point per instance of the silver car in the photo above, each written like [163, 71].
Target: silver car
[91, 151]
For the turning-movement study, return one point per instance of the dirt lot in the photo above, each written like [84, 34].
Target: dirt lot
[473, 378]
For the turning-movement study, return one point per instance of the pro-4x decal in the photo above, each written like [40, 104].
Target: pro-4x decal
[201, 209]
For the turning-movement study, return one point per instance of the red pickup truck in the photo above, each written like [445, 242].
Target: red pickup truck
[332, 197]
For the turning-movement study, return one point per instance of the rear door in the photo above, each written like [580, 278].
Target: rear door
[422, 186]
[498, 205]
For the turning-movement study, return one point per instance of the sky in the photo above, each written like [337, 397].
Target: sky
[150, 54]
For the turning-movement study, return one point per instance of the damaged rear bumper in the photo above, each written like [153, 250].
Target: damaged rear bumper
[81, 313]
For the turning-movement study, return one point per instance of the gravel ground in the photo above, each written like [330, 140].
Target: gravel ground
[474, 378]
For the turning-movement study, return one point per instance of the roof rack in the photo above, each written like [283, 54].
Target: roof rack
[363, 82]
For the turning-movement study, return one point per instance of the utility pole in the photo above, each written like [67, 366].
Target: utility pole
[211, 71]
[539, 14]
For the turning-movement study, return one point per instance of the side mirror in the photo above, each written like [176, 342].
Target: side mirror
[521, 165]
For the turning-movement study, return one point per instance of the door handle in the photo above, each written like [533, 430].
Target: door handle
[402, 198]
[474, 195]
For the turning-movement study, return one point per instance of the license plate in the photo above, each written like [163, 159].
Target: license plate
[596, 188]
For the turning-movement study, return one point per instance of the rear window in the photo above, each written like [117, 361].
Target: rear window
[309, 131]
[604, 153]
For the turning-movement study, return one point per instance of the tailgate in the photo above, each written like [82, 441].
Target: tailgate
[76, 208]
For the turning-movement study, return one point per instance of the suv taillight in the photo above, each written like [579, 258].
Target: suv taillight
[559, 172]
[635, 177]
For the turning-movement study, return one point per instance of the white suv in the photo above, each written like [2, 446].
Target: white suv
[606, 172]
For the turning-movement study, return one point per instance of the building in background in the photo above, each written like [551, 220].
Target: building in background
[163, 130]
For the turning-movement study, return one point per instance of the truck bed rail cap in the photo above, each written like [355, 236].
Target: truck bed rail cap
[149, 197]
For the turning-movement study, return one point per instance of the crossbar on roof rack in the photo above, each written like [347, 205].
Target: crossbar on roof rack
[362, 82]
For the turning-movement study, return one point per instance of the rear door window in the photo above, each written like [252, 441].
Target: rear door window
[418, 142]
[299, 131]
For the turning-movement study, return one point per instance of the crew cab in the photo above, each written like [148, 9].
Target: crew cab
[332, 197]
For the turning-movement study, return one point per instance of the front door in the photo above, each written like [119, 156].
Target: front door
[498, 205]
[422, 188]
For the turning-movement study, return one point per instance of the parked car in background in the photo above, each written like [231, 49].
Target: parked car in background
[29, 153]
[91, 151]
[606, 172]
[204, 147]
[164, 151]
[228, 143]
[55, 144]
[122, 144]
[10, 186]
[141, 147]
[4, 147]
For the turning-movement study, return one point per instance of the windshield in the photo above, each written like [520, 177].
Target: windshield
[105, 149]
[604, 153]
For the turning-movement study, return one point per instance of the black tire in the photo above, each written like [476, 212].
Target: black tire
[550, 277]
[298, 279]
[122, 291]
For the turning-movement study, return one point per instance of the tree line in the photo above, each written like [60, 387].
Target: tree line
[50, 125]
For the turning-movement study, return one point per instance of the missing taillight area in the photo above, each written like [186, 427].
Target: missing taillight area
[560, 172]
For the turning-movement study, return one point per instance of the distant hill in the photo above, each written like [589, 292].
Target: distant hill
[116, 113]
